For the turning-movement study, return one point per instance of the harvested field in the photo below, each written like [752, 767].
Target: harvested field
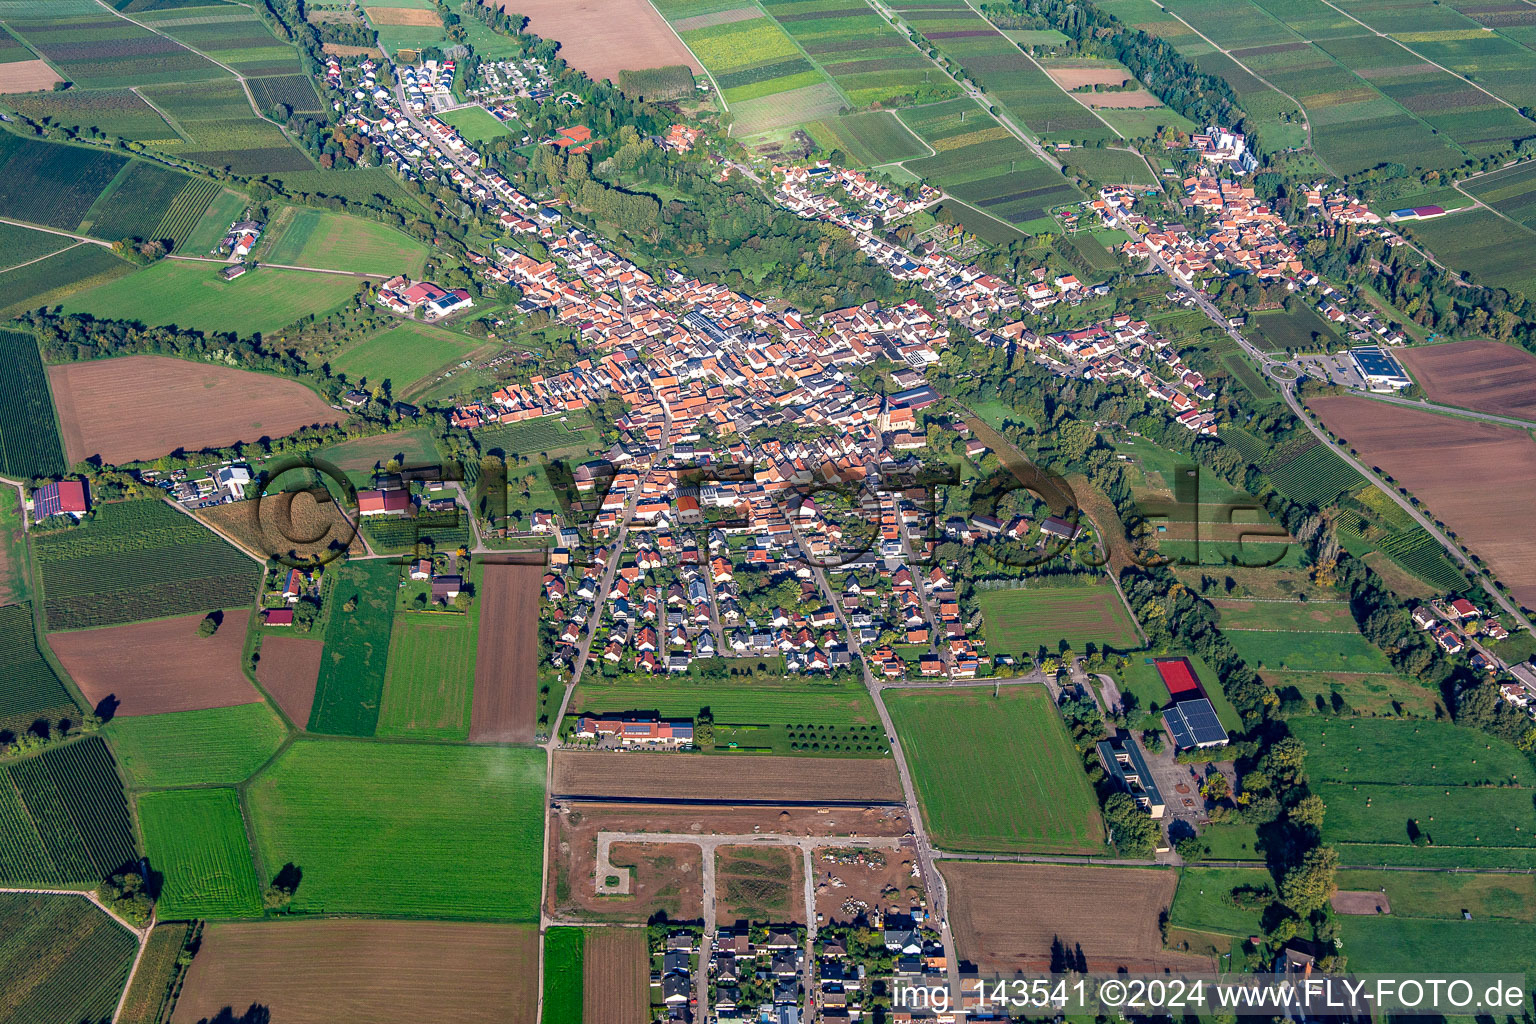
[667, 877]
[1360, 902]
[410, 16]
[150, 667]
[604, 37]
[295, 526]
[1480, 480]
[288, 670]
[1135, 99]
[759, 884]
[1483, 375]
[27, 76]
[315, 972]
[142, 407]
[1076, 78]
[505, 705]
[1005, 916]
[616, 975]
[750, 778]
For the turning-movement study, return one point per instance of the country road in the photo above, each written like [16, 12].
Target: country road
[1452, 410]
[1288, 392]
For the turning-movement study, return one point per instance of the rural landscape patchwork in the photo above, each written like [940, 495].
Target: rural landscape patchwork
[794, 511]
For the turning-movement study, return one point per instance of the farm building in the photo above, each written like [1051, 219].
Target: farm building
[1418, 213]
[383, 503]
[1380, 371]
[62, 497]
[631, 730]
[278, 617]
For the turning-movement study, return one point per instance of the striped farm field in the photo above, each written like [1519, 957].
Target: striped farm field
[868, 59]
[63, 818]
[29, 688]
[132, 207]
[139, 560]
[195, 838]
[351, 684]
[29, 434]
[996, 774]
[62, 959]
[183, 213]
[1512, 192]
[431, 674]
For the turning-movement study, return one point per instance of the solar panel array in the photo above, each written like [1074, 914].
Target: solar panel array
[1193, 723]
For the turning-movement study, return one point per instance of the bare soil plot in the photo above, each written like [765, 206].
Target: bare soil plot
[616, 976]
[403, 16]
[662, 777]
[1134, 99]
[506, 695]
[1076, 78]
[342, 50]
[1480, 480]
[668, 877]
[365, 972]
[142, 407]
[288, 670]
[1483, 375]
[27, 76]
[291, 525]
[760, 884]
[1361, 901]
[1006, 916]
[850, 883]
[150, 667]
[604, 37]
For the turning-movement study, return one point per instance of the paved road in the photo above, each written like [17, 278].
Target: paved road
[709, 846]
[1451, 410]
[1288, 392]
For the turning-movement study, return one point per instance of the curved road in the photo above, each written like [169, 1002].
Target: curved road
[1288, 392]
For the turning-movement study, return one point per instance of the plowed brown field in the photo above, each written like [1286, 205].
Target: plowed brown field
[662, 777]
[604, 37]
[142, 407]
[1005, 916]
[505, 705]
[365, 972]
[616, 976]
[1478, 479]
[27, 76]
[403, 16]
[1483, 375]
[152, 667]
[288, 670]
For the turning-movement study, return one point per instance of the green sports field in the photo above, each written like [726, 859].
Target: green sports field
[996, 774]
[188, 748]
[1022, 621]
[191, 295]
[474, 123]
[409, 829]
[335, 241]
[195, 839]
[403, 355]
[431, 674]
